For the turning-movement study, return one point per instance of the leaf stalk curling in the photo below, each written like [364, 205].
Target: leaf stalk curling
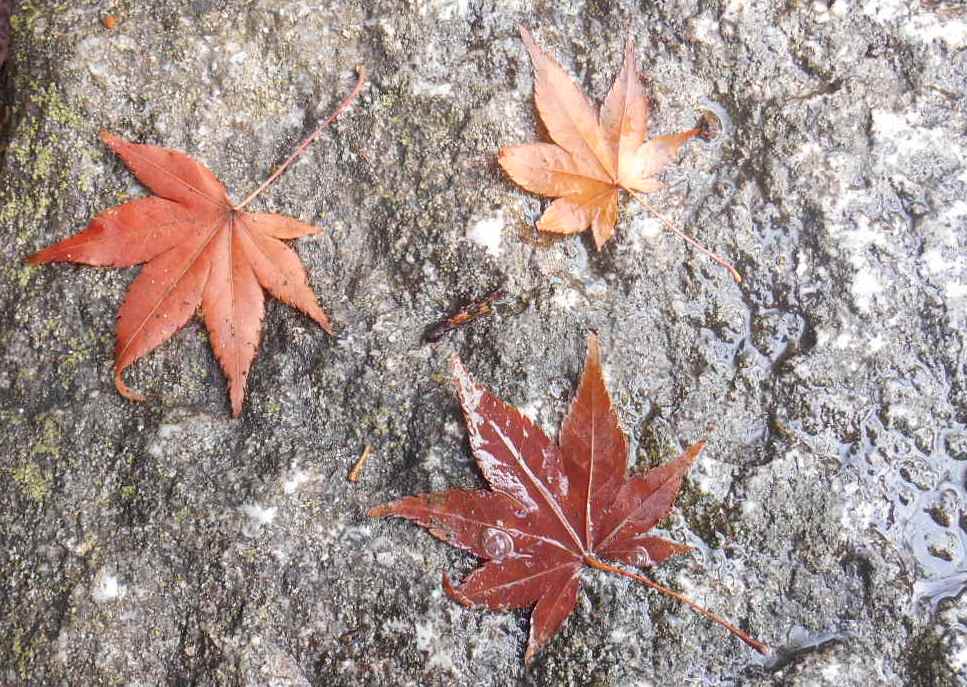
[310, 139]
[688, 239]
[701, 610]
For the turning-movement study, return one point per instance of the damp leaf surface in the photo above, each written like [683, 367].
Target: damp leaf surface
[553, 508]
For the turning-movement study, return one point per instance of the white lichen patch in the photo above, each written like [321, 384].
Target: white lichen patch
[928, 27]
[567, 299]
[900, 135]
[431, 643]
[297, 477]
[865, 286]
[885, 10]
[712, 477]
[704, 29]
[445, 9]
[644, 229]
[107, 588]
[429, 89]
[258, 517]
[488, 234]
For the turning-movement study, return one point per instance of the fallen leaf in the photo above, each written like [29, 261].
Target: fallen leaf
[553, 509]
[596, 155]
[201, 249]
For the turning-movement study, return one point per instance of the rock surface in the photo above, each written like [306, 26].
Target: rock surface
[165, 543]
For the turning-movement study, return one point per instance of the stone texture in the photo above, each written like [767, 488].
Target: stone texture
[165, 543]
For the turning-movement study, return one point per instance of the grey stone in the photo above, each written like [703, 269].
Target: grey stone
[165, 543]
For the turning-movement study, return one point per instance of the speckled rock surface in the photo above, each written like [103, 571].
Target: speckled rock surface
[166, 543]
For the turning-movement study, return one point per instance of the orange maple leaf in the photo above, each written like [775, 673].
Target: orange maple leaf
[595, 156]
[201, 249]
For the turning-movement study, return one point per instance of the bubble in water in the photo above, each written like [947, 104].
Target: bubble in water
[497, 544]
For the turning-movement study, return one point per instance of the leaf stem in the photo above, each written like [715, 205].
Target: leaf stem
[688, 239]
[607, 567]
[343, 106]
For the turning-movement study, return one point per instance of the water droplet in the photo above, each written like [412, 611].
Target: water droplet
[497, 544]
[640, 558]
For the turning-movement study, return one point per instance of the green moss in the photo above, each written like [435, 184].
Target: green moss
[44, 152]
[128, 492]
[32, 481]
[24, 652]
[50, 439]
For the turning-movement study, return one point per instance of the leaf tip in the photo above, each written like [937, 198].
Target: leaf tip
[691, 454]
[530, 654]
[323, 321]
[459, 373]
[593, 346]
[36, 258]
[535, 52]
[109, 139]
[454, 592]
[380, 511]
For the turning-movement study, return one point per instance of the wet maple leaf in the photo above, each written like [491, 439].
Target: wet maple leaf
[554, 509]
[595, 156]
[201, 249]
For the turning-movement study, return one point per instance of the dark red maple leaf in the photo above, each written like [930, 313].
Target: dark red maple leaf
[554, 509]
[202, 250]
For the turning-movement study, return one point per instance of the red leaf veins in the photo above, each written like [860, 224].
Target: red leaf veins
[553, 509]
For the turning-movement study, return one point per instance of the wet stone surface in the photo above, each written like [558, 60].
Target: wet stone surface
[166, 543]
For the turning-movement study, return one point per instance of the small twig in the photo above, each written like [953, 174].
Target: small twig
[688, 239]
[357, 470]
[704, 612]
[343, 106]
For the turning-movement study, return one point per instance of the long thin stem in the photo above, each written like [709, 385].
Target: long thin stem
[343, 106]
[671, 227]
[607, 567]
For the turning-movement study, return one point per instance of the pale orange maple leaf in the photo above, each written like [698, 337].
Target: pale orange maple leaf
[595, 156]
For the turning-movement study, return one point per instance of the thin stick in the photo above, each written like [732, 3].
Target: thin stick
[357, 470]
[755, 644]
[343, 106]
[671, 227]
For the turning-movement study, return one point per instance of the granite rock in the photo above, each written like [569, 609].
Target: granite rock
[166, 543]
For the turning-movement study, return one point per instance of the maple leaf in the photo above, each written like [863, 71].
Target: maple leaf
[201, 249]
[594, 156]
[554, 509]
